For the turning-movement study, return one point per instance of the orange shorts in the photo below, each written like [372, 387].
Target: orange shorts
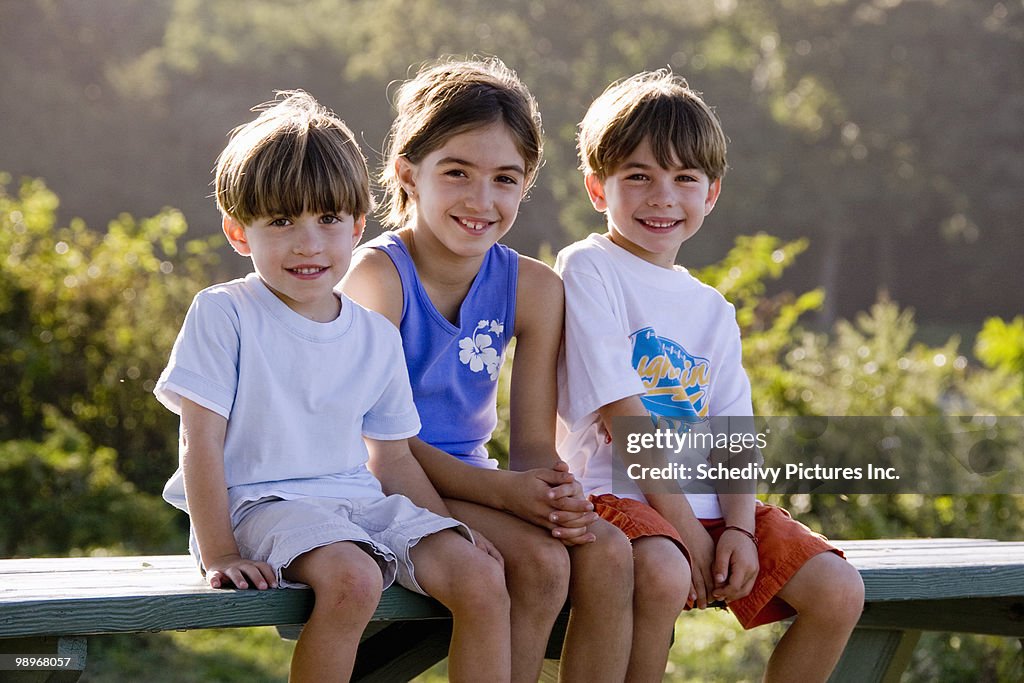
[784, 545]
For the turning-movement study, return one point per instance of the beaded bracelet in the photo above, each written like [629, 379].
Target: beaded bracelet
[743, 531]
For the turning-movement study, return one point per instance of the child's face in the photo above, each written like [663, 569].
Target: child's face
[467, 192]
[652, 210]
[300, 258]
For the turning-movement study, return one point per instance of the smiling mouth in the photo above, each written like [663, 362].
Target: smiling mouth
[474, 226]
[658, 224]
[307, 271]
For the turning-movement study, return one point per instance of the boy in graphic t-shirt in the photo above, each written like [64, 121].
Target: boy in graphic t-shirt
[644, 338]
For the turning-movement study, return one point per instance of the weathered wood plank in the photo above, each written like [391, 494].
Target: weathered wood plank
[105, 595]
[937, 569]
[207, 608]
[992, 616]
[875, 656]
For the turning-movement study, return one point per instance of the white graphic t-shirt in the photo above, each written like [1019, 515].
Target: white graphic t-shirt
[635, 329]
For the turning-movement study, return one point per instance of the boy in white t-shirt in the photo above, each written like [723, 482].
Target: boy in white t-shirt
[295, 408]
[644, 338]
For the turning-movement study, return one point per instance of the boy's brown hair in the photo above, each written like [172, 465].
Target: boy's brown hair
[658, 106]
[450, 97]
[295, 156]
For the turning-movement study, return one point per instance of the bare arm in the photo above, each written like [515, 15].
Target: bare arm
[736, 562]
[533, 402]
[527, 495]
[399, 472]
[202, 433]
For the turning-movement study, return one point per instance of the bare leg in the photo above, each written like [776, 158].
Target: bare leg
[536, 574]
[828, 595]
[471, 584]
[347, 583]
[600, 628]
[662, 585]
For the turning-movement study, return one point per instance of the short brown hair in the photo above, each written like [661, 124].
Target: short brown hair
[295, 156]
[658, 106]
[448, 98]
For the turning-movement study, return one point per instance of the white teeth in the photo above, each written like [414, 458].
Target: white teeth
[307, 271]
[659, 224]
[473, 225]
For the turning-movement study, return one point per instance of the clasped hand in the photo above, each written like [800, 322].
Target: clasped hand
[723, 571]
[552, 498]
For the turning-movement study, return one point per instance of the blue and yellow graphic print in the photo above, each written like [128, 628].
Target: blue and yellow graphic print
[677, 382]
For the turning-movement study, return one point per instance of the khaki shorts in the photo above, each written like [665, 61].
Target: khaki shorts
[784, 546]
[277, 531]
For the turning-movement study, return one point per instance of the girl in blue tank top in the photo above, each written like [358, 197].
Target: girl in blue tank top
[454, 365]
[463, 150]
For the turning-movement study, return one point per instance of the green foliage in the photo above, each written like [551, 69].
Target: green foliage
[1000, 346]
[207, 656]
[767, 323]
[63, 494]
[840, 113]
[871, 366]
[87, 321]
[954, 658]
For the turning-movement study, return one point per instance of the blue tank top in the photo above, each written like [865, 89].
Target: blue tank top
[454, 368]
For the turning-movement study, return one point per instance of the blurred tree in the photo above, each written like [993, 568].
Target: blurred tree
[1000, 346]
[61, 494]
[86, 322]
[851, 120]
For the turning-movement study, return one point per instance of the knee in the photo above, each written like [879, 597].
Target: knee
[841, 596]
[662, 593]
[477, 585]
[539, 568]
[614, 553]
[661, 580]
[351, 588]
[848, 595]
[603, 570]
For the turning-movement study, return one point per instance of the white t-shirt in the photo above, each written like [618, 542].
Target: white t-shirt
[635, 329]
[298, 395]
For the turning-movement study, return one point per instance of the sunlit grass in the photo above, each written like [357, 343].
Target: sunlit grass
[709, 647]
[255, 655]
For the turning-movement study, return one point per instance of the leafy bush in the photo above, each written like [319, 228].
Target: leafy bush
[87, 319]
[63, 495]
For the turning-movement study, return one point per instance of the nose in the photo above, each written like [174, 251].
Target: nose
[661, 194]
[479, 196]
[308, 239]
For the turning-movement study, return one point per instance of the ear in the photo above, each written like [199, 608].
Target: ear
[235, 232]
[405, 171]
[595, 190]
[714, 189]
[357, 231]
